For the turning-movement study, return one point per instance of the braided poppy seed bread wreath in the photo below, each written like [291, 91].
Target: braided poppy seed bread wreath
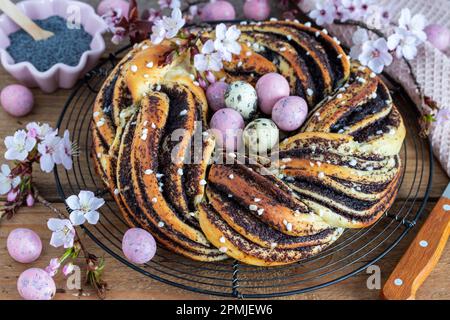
[340, 170]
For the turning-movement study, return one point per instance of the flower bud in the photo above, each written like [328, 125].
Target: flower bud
[30, 200]
[202, 83]
[210, 77]
[68, 269]
[12, 196]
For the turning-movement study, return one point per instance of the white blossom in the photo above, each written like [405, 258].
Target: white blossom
[39, 131]
[84, 207]
[226, 41]
[49, 150]
[348, 9]
[404, 43]
[360, 36]
[63, 232]
[64, 153]
[414, 24]
[167, 27]
[19, 146]
[324, 12]
[375, 54]
[158, 32]
[208, 59]
[7, 182]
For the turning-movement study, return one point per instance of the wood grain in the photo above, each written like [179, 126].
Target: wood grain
[125, 283]
[421, 257]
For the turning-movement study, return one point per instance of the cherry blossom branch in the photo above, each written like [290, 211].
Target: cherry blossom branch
[94, 265]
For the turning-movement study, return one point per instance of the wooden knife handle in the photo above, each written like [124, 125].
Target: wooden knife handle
[421, 256]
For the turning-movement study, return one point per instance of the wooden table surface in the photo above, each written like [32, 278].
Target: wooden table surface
[125, 283]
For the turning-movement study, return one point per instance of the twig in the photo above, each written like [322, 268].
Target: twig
[361, 25]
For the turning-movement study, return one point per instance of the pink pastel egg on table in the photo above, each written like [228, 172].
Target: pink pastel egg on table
[227, 125]
[138, 246]
[107, 5]
[438, 36]
[257, 9]
[36, 284]
[216, 95]
[270, 88]
[24, 245]
[218, 10]
[17, 100]
[289, 113]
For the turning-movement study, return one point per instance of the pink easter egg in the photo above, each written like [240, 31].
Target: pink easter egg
[227, 125]
[17, 100]
[289, 113]
[438, 36]
[270, 88]
[138, 246]
[257, 9]
[24, 245]
[218, 10]
[216, 95]
[36, 284]
[107, 5]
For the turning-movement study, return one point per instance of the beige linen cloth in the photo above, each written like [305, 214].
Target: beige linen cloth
[431, 66]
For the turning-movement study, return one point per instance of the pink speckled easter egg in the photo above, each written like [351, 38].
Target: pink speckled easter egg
[257, 9]
[289, 113]
[36, 284]
[218, 10]
[270, 88]
[106, 5]
[24, 245]
[227, 125]
[138, 246]
[17, 100]
[438, 36]
[216, 95]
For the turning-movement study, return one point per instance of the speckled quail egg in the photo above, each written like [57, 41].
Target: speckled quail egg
[261, 135]
[242, 97]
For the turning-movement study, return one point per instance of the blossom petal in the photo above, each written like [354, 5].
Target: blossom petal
[73, 202]
[77, 217]
[85, 197]
[47, 163]
[15, 181]
[5, 186]
[5, 170]
[221, 30]
[92, 217]
[55, 224]
[209, 47]
[95, 203]
[56, 240]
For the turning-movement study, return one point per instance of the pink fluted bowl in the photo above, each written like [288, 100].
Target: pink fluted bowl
[60, 75]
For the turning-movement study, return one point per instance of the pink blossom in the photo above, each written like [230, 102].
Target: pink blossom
[52, 268]
[375, 54]
[324, 12]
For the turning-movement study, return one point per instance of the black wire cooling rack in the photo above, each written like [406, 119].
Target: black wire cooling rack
[352, 253]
